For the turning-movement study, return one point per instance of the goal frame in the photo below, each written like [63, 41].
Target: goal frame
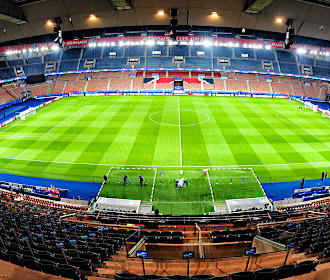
[28, 112]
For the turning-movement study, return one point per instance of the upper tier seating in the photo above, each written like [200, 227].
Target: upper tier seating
[284, 61]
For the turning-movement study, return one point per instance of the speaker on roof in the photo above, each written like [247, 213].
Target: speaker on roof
[174, 12]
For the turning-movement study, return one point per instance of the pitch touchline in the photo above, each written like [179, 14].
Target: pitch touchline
[180, 131]
[164, 166]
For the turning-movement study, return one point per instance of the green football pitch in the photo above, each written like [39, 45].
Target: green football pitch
[81, 138]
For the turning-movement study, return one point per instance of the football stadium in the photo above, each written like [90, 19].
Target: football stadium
[165, 140]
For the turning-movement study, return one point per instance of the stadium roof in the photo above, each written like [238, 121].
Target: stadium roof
[27, 18]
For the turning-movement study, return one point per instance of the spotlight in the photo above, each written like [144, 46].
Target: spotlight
[161, 12]
[49, 22]
[214, 14]
[92, 16]
[279, 20]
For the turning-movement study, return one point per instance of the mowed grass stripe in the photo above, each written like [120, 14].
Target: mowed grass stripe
[286, 144]
[147, 136]
[262, 141]
[167, 149]
[301, 142]
[240, 147]
[194, 149]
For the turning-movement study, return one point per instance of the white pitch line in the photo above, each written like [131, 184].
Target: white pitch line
[210, 185]
[300, 126]
[39, 110]
[164, 166]
[17, 123]
[180, 131]
[258, 181]
[65, 119]
[153, 185]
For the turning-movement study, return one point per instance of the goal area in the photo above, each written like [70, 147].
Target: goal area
[27, 112]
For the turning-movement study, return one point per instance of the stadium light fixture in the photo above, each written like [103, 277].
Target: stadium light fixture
[279, 20]
[301, 51]
[215, 14]
[150, 42]
[55, 48]
[92, 16]
[161, 12]
[49, 23]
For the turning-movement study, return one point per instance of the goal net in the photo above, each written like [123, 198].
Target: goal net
[28, 112]
[311, 106]
[326, 114]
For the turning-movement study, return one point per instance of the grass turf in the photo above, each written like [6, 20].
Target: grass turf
[234, 184]
[192, 199]
[132, 190]
[79, 138]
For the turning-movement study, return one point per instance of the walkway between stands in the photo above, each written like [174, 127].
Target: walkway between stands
[86, 190]
[281, 190]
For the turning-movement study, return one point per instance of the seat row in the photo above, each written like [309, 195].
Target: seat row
[281, 272]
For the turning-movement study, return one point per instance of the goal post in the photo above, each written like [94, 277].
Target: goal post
[27, 112]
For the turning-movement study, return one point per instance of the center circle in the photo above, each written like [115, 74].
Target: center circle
[182, 118]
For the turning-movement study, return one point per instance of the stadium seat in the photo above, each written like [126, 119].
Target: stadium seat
[202, 277]
[305, 267]
[243, 275]
[46, 266]
[286, 271]
[68, 271]
[29, 261]
[177, 277]
[83, 264]
[266, 274]
[151, 277]
[126, 276]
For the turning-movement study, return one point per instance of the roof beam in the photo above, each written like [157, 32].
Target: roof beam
[256, 6]
[9, 12]
[322, 3]
[122, 4]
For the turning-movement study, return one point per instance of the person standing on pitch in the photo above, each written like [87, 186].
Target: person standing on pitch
[325, 174]
[125, 180]
[302, 182]
[322, 177]
[141, 181]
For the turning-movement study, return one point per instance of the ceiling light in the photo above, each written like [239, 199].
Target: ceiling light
[161, 12]
[279, 20]
[214, 14]
[92, 16]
